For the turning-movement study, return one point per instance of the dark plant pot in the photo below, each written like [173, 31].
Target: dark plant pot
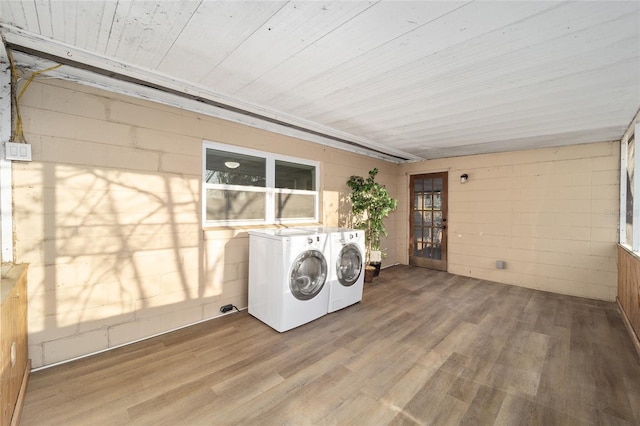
[376, 265]
[368, 274]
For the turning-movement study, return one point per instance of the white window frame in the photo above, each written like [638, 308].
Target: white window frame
[269, 190]
[635, 246]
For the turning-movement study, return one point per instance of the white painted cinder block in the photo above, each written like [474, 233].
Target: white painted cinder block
[35, 355]
[146, 327]
[74, 346]
[552, 223]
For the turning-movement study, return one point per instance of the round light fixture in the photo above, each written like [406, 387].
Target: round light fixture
[231, 164]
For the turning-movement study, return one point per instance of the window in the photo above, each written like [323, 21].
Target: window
[244, 187]
[629, 195]
[630, 169]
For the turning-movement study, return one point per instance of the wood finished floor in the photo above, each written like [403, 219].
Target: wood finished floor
[423, 347]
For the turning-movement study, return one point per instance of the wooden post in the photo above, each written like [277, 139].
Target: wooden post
[6, 214]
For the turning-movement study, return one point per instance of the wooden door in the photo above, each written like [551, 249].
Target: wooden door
[428, 221]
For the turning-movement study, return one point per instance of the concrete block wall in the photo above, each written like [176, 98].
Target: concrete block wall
[108, 217]
[551, 214]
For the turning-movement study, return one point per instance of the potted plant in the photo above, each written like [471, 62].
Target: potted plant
[370, 204]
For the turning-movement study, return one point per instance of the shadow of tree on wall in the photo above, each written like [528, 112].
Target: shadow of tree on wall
[119, 245]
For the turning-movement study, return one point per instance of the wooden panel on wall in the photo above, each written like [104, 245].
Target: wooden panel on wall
[629, 292]
[13, 344]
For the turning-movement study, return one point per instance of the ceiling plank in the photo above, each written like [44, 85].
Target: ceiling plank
[148, 29]
[45, 19]
[292, 29]
[215, 30]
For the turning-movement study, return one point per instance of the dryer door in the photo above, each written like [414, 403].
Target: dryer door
[349, 265]
[308, 274]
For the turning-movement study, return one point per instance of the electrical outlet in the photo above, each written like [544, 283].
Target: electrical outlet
[226, 308]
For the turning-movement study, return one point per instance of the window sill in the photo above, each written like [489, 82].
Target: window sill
[628, 250]
[214, 232]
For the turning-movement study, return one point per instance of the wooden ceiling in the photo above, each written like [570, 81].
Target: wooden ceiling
[404, 80]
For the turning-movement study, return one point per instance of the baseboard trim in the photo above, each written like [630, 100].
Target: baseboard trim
[55, 364]
[630, 330]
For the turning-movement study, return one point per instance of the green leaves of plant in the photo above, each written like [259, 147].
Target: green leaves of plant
[370, 204]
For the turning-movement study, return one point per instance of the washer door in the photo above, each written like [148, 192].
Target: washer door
[349, 265]
[308, 274]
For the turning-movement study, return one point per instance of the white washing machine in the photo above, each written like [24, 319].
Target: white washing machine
[346, 276]
[288, 276]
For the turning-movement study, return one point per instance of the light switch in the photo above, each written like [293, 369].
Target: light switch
[17, 151]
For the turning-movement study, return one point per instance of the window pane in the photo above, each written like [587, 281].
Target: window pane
[437, 193]
[426, 234]
[230, 168]
[437, 201]
[417, 202]
[437, 218]
[417, 218]
[630, 190]
[235, 205]
[437, 185]
[417, 236]
[437, 236]
[426, 218]
[295, 176]
[295, 206]
[427, 201]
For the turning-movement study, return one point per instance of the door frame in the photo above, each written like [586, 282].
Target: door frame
[441, 265]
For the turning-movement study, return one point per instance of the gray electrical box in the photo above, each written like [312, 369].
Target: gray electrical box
[17, 151]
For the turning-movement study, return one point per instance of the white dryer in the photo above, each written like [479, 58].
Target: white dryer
[288, 275]
[346, 277]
